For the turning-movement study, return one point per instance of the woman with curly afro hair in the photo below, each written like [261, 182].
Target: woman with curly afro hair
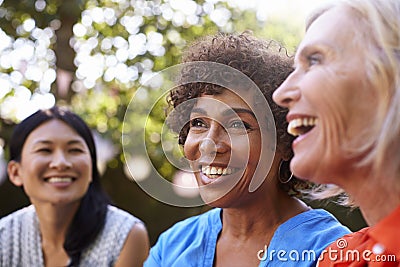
[235, 139]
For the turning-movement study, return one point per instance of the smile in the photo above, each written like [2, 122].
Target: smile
[214, 172]
[301, 126]
[59, 180]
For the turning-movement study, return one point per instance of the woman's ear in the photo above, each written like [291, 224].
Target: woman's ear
[287, 157]
[284, 155]
[13, 170]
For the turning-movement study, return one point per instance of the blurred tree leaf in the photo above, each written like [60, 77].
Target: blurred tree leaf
[93, 55]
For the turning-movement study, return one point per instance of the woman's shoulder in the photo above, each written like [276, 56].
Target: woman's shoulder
[106, 248]
[119, 215]
[118, 224]
[199, 223]
[20, 238]
[314, 219]
[187, 241]
[319, 223]
[193, 229]
[313, 229]
[16, 217]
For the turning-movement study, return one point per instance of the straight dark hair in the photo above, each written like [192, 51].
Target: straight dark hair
[91, 214]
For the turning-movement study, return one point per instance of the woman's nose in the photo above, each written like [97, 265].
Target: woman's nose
[60, 161]
[216, 141]
[287, 93]
[208, 147]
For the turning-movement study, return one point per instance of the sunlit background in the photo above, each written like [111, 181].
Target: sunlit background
[92, 55]
[29, 73]
[33, 61]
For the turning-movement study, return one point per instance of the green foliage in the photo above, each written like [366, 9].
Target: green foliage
[103, 102]
[117, 37]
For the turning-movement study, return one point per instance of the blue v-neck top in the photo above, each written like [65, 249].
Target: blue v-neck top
[298, 242]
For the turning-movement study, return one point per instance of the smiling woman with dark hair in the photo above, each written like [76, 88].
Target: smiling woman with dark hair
[227, 136]
[70, 221]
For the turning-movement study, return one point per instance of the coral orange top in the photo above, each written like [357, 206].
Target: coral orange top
[377, 246]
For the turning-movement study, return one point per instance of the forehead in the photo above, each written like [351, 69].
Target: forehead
[337, 25]
[226, 99]
[53, 130]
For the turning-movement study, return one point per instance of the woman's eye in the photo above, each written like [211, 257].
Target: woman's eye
[197, 123]
[240, 125]
[44, 150]
[76, 150]
[314, 59]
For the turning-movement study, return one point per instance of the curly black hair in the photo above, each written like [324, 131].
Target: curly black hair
[266, 63]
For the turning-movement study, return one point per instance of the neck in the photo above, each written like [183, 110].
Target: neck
[256, 218]
[54, 221]
[377, 197]
[249, 226]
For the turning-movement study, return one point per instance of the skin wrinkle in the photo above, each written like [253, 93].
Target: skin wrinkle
[371, 37]
[334, 68]
[361, 93]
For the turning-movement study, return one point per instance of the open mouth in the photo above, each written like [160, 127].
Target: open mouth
[213, 172]
[54, 180]
[301, 126]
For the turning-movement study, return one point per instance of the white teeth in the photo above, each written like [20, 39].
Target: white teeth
[59, 180]
[294, 125]
[208, 170]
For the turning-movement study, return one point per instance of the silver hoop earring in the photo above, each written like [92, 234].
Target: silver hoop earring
[280, 178]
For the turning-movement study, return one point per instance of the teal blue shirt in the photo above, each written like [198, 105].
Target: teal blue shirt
[297, 242]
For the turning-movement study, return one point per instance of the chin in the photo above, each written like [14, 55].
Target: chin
[211, 199]
[214, 199]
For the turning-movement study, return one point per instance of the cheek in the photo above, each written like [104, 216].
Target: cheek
[255, 161]
[342, 90]
[243, 151]
[333, 106]
[341, 109]
[190, 149]
[84, 164]
[35, 165]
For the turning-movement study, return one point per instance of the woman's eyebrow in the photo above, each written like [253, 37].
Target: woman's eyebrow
[227, 112]
[199, 111]
[44, 142]
[48, 142]
[233, 111]
[77, 141]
